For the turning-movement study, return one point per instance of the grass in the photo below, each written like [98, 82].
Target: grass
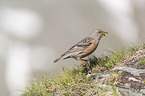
[75, 82]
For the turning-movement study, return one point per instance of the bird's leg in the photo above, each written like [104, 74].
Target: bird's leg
[89, 66]
[86, 65]
[83, 61]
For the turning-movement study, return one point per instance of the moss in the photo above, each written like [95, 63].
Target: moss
[75, 82]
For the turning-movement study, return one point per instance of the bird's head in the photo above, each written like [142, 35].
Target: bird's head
[98, 34]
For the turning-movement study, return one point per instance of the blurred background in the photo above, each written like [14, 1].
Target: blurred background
[33, 33]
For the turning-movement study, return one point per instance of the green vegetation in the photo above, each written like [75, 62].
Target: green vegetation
[75, 82]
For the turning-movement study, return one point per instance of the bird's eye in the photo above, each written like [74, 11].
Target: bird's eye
[99, 31]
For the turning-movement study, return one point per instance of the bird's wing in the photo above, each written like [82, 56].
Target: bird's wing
[86, 42]
[79, 47]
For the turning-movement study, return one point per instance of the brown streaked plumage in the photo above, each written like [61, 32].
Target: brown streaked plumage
[85, 47]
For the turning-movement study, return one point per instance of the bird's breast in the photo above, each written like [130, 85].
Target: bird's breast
[90, 49]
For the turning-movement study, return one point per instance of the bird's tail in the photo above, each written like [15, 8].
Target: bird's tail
[57, 60]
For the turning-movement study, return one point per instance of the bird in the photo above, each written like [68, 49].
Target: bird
[84, 48]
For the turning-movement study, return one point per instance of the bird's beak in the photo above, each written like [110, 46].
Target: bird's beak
[104, 33]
